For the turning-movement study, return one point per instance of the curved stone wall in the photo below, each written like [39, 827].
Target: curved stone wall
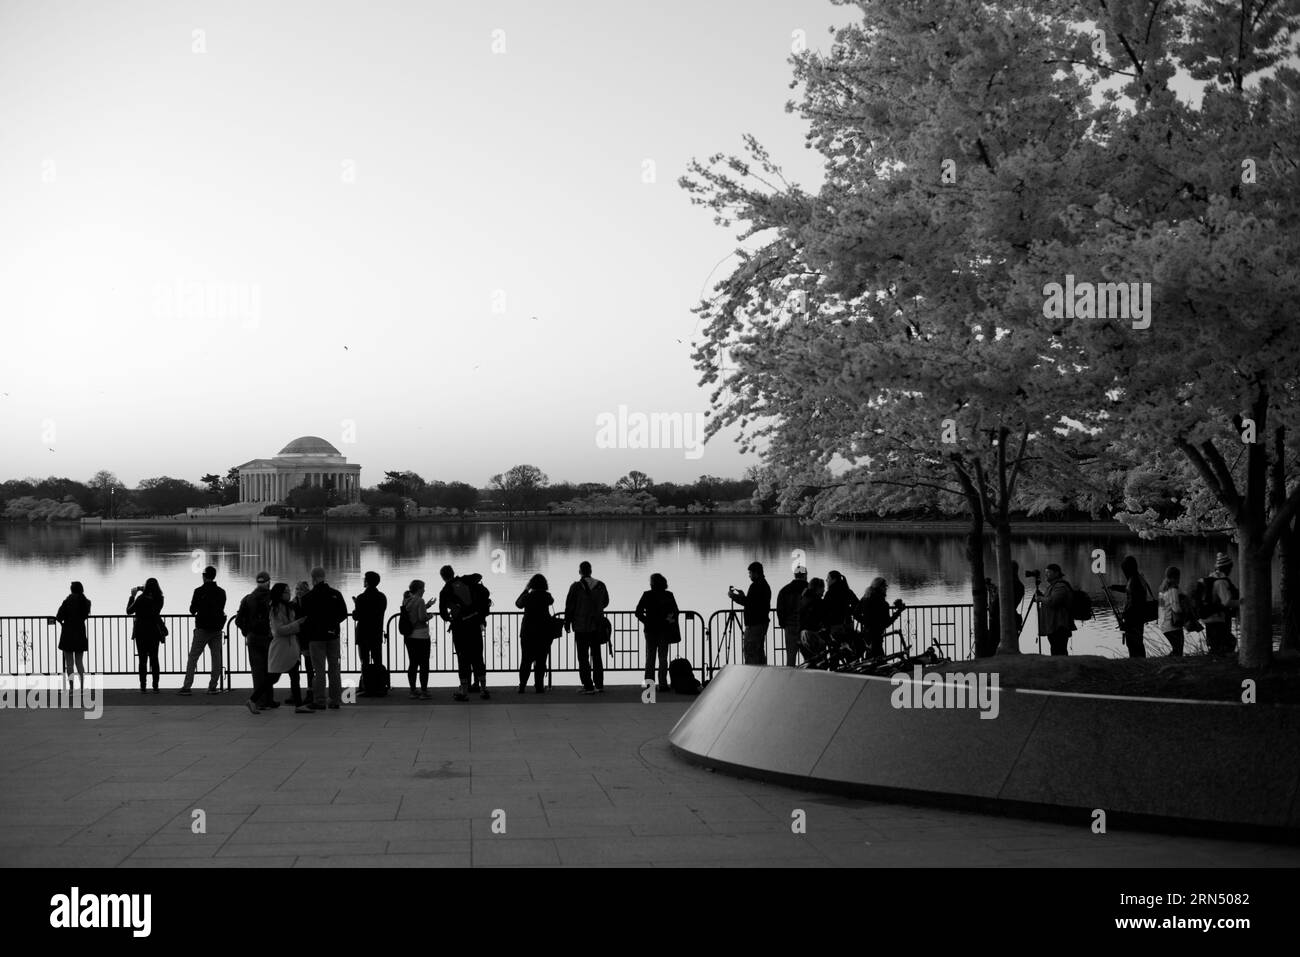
[1201, 766]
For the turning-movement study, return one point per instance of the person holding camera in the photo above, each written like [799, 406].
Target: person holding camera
[876, 615]
[1055, 619]
[536, 632]
[1133, 613]
[145, 605]
[757, 603]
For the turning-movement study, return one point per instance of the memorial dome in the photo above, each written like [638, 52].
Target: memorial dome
[309, 445]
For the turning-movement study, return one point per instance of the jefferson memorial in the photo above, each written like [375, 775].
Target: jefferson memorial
[308, 460]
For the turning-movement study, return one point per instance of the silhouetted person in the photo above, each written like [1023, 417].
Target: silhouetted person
[285, 654]
[73, 640]
[253, 619]
[811, 619]
[839, 606]
[208, 606]
[757, 603]
[1136, 594]
[368, 612]
[418, 642]
[657, 611]
[584, 614]
[876, 615]
[787, 613]
[456, 606]
[300, 591]
[324, 609]
[536, 632]
[145, 605]
[1056, 618]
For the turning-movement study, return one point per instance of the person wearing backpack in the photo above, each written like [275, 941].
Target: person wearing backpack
[253, 619]
[456, 606]
[1137, 610]
[584, 614]
[1217, 600]
[1175, 611]
[413, 625]
[1055, 614]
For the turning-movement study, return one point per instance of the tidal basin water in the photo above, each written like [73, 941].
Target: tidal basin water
[700, 558]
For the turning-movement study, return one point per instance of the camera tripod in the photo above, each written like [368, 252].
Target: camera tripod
[730, 626]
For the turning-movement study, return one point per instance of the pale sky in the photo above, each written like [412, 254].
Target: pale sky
[353, 189]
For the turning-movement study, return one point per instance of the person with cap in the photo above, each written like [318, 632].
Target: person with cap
[1224, 601]
[787, 613]
[757, 603]
[253, 619]
[208, 606]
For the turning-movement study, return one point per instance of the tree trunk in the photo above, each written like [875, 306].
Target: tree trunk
[1008, 619]
[979, 594]
[1255, 642]
[1290, 542]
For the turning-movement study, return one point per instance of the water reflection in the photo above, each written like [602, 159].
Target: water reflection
[699, 558]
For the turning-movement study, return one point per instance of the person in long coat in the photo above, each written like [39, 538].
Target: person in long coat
[146, 605]
[73, 641]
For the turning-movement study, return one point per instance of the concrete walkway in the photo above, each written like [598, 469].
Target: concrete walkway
[571, 780]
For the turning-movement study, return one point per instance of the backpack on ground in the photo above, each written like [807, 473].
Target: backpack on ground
[681, 677]
[1080, 605]
[375, 681]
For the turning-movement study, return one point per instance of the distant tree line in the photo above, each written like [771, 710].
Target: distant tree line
[402, 494]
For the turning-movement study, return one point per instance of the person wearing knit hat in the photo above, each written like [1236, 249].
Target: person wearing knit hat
[1224, 600]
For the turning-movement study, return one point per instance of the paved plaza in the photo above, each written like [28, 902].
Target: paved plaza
[551, 780]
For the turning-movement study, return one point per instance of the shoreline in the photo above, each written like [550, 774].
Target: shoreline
[1110, 529]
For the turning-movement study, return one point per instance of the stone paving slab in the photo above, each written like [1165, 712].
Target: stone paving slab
[575, 781]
